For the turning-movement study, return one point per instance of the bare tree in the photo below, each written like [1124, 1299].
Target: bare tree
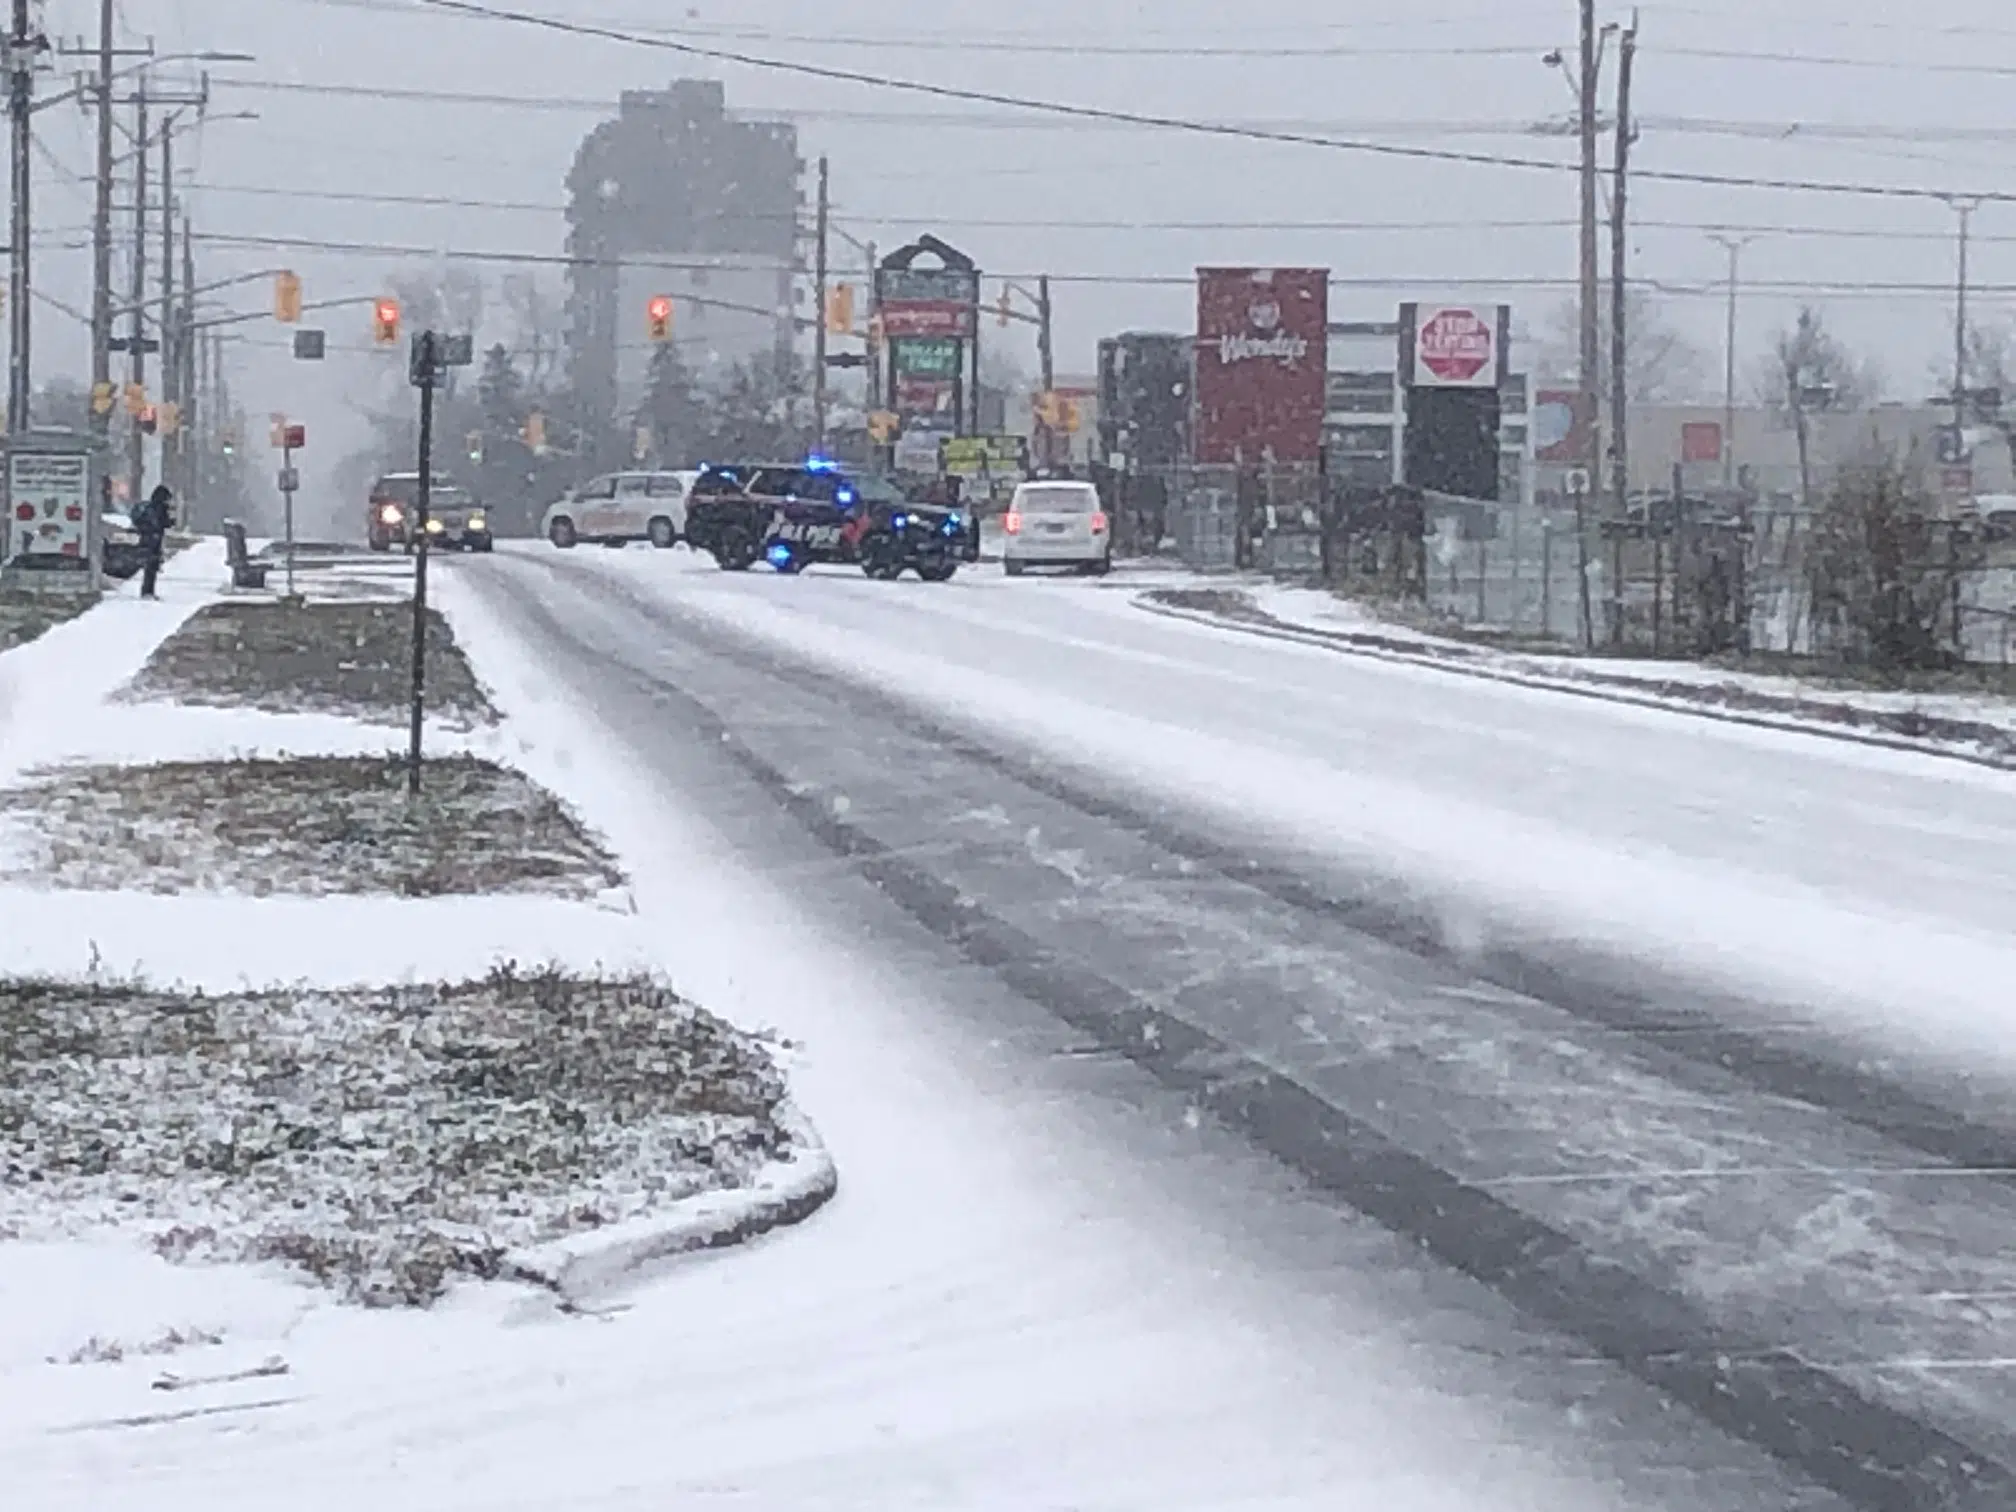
[1882, 566]
[538, 311]
[1661, 366]
[1808, 371]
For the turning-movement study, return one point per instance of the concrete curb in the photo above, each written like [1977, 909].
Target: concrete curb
[788, 1191]
[1268, 628]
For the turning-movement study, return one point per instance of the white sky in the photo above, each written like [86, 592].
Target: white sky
[1466, 74]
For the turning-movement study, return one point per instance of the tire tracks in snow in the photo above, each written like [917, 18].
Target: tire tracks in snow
[1840, 1435]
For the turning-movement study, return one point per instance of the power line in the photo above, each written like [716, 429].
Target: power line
[1140, 280]
[1222, 130]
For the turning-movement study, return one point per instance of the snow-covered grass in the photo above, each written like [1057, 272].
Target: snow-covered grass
[382, 1140]
[24, 616]
[309, 824]
[352, 657]
[1979, 720]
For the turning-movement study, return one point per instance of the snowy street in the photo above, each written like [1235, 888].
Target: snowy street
[1683, 1039]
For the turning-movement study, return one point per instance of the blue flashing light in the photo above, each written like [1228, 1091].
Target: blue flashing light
[821, 464]
[897, 522]
[844, 494]
[779, 555]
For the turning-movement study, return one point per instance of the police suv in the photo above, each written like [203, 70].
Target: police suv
[793, 514]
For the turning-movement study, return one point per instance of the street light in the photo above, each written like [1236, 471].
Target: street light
[1734, 246]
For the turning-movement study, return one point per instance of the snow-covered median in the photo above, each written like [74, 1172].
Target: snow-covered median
[383, 1141]
[410, 1108]
[307, 824]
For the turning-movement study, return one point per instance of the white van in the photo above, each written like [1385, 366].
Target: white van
[618, 508]
[1056, 524]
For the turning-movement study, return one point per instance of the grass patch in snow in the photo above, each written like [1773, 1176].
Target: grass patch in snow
[25, 616]
[383, 1141]
[352, 658]
[308, 824]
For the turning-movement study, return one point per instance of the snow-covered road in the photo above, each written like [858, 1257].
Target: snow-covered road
[1685, 1040]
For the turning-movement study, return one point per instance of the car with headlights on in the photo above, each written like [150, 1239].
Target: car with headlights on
[455, 519]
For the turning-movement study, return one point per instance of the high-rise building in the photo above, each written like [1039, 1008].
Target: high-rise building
[675, 196]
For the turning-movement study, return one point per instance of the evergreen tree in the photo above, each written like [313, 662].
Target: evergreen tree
[673, 410]
[500, 392]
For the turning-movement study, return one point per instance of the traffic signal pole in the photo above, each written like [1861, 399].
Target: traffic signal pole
[424, 363]
[101, 231]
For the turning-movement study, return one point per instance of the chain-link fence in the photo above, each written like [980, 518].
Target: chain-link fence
[1706, 576]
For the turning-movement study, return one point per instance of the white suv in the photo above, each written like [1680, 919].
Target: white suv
[618, 508]
[1056, 524]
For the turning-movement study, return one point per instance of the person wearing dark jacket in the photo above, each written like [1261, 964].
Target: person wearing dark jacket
[151, 522]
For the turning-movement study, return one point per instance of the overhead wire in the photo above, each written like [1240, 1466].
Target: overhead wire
[1197, 127]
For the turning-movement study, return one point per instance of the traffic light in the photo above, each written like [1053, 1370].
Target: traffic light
[1003, 310]
[840, 310]
[286, 297]
[658, 317]
[385, 322]
[150, 419]
[475, 444]
[228, 441]
[535, 431]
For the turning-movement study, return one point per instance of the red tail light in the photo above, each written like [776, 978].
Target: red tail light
[24, 511]
[1098, 522]
[1012, 523]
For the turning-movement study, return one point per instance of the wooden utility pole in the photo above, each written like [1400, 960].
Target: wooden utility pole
[101, 232]
[24, 47]
[1046, 365]
[1590, 385]
[1620, 452]
[819, 317]
[136, 339]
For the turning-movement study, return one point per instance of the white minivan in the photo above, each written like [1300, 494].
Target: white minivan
[1057, 523]
[618, 508]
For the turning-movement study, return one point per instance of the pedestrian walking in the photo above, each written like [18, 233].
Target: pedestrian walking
[151, 522]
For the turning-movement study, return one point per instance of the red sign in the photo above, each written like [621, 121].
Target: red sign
[1700, 441]
[1263, 337]
[296, 437]
[923, 396]
[1456, 346]
[926, 317]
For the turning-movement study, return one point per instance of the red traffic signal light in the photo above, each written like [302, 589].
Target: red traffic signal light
[385, 322]
[658, 317]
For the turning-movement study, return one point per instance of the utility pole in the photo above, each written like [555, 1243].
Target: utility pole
[1586, 119]
[101, 232]
[819, 321]
[166, 323]
[1734, 246]
[185, 370]
[136, 340]
[23, 47]
[1043, 360]
[1620, 452]
[1965, 209]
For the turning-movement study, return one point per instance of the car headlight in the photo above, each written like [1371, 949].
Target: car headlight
[389, 515]
[435, 527]
[475, 521]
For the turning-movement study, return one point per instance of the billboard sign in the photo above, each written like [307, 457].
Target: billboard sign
[1454, 346]
[49, 495]
[1262, 349]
